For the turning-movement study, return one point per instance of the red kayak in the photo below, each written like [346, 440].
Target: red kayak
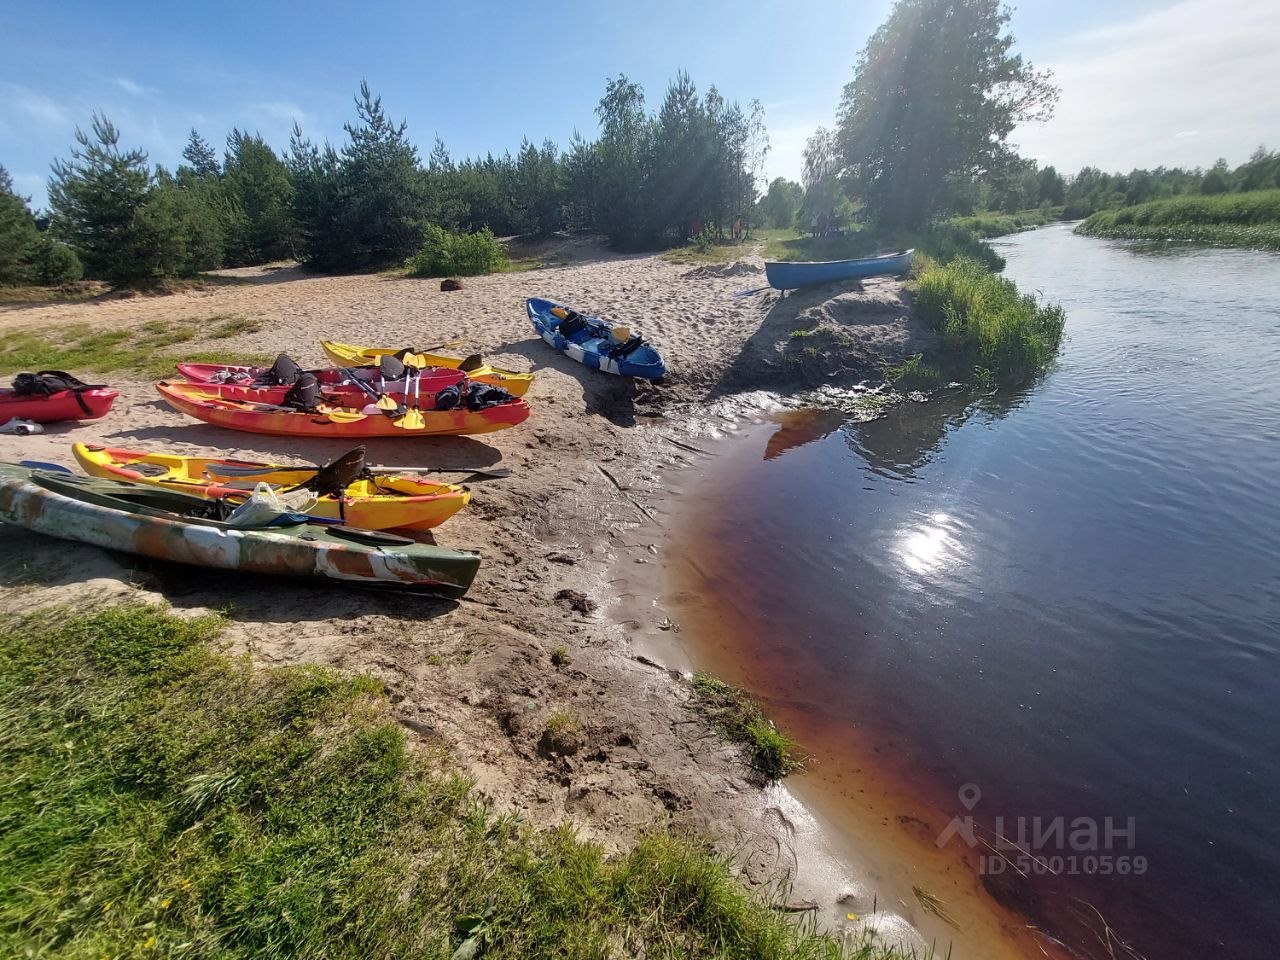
[241, 408]
[433, 378]
[62, 405]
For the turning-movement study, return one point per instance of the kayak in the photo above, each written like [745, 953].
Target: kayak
[234, 408]
[372, 502]
[345, 355]
[791, 275]
[167, 525]
[62, 405]
[593, 342]
[432, 379]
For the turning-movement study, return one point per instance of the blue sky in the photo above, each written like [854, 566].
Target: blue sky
[1144, 82]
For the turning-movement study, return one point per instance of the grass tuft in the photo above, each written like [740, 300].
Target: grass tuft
[231, 325]
[159, 798]
[739, 718]
[985, 321]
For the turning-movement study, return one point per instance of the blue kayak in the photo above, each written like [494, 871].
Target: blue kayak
[791, 275]
[594, 343]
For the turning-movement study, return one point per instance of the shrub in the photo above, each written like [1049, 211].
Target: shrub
[986, 321]
[56, 263]
[446, 253]
[1236, 219]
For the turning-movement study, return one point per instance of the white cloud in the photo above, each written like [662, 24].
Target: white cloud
[37, 106]
[1175, 87]
[279, 112]
[133, 87]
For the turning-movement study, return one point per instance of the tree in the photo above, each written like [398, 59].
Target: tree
[779, 205]
[201, 157]
[382, 201]
[623, 170]
[1217, 179]
[256, 183]
[821, 174]
[936, 92]
[317, 202]
[96, 197]
[19, 238]
[1053, 189]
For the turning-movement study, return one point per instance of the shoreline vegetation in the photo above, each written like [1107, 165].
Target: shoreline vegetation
[1249, 220]
[164, 797]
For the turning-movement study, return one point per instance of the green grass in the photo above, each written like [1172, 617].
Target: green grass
[993, 224]
[139, 351]
[693, 254]
[739, 718]
[231, 325]
[943, 241]
[913, 372]
[161, 799]
[985, 322]
[1233, 219]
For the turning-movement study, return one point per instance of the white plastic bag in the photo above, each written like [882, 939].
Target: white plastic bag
[262, 507]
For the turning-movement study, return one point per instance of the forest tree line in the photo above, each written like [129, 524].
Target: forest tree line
[650, 178]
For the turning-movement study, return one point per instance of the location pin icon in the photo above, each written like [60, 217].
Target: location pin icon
[970, 794]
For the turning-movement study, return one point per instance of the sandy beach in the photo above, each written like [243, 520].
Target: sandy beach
[572, 545]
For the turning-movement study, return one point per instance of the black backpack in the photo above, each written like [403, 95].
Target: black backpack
[45, 383]
[304, 394]
[283, 373]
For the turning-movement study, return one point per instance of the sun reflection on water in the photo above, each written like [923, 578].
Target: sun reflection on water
[930, 544]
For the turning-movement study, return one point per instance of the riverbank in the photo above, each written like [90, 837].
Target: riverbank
[486, 678]
[1249, 220]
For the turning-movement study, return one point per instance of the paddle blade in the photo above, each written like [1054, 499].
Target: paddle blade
[387, 403]
[338, 415]
[412, 420]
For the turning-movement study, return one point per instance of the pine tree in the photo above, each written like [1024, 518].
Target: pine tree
[201, 157]
[383, 205]
[96, 197]
[256, 182]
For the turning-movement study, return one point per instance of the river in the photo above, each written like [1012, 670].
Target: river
[1053, 611]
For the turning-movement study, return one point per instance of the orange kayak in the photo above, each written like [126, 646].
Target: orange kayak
[235, 408]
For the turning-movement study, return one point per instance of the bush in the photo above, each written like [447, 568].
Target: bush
[445, 253]
[986, 320]
[56, 264]
[945, 242]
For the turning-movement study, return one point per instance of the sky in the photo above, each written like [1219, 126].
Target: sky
[1144, 82]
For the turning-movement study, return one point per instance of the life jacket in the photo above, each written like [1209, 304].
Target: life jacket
[45, 383]
[304, 394]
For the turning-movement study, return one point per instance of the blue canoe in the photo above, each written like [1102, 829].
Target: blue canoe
[791, 275]
[589, 340]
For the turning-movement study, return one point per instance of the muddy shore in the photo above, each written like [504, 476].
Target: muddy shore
[573, 546]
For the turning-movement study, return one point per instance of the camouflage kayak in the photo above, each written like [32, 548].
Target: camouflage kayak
[167, 525]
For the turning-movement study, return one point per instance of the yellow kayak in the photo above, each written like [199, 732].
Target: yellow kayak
[347, 355]
[372, 502]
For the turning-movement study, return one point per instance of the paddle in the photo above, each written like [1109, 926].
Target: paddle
[381, 401]
[228, 470]
[412, 418]
[752, 293]
[334, 414]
